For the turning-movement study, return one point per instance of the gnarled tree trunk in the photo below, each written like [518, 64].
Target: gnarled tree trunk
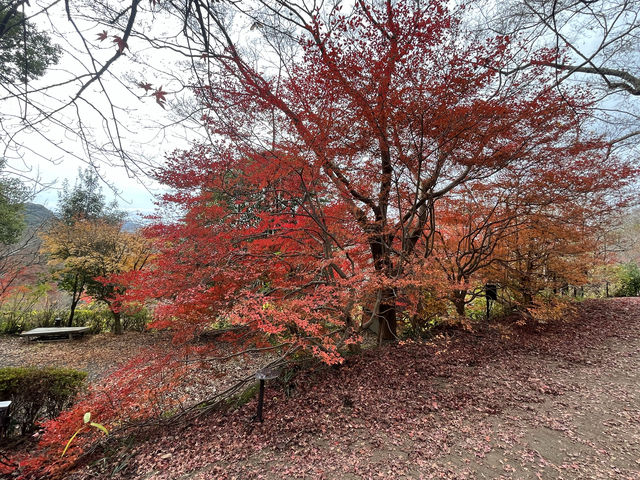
[458, 298]
[387, 318]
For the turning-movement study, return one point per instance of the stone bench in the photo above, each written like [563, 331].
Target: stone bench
[55, 332]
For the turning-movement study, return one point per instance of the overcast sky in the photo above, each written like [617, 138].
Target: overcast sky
[53, 151]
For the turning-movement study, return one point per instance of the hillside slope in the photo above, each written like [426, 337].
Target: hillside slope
[559, 401]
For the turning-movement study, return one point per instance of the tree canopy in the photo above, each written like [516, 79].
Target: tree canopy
[595, 43]
[25, 52]
[86, 253]
[330, 186]
[84, 242]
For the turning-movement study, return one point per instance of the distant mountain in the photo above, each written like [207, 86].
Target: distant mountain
[131, 226]
[21, 263]
[35, 215]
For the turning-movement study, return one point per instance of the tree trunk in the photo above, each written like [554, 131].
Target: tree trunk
[74, 304]
[387, 319]
[117, 322]
[458, 300]
[527, 289]
[75, 298]
[71, 313]
[386, 315]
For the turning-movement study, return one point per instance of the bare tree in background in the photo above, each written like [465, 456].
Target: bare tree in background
[599, 45]
[85, 106]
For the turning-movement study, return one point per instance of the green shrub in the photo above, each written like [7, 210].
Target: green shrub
[416, 327]
[629, 279]
[99, 319]
[38, 393]
[136, 319]
[13, 321]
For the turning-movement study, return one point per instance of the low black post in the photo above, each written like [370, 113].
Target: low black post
[490, 294]
[4, 417]
[260, 401]
[262, 375]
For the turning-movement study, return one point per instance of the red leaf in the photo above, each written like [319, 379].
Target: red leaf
[121, 43]
[160, 97]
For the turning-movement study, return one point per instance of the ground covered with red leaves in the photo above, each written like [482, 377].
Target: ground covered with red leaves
[558, 401]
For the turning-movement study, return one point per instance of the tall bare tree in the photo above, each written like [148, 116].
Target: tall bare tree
[598, 43]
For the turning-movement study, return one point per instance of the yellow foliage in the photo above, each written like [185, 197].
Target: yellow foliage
[554, 310]
[93, 248]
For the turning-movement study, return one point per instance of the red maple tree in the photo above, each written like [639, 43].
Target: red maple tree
[315, 213]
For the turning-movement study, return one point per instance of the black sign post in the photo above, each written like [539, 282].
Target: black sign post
[491, 295]
[262, 375]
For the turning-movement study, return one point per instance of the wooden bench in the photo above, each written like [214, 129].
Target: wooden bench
[55, 332]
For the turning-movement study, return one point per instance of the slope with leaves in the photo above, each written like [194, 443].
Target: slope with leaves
[473, 405]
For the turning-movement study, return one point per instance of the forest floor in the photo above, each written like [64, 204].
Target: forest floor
[557, 401]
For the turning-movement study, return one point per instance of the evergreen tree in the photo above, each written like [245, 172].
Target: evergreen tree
[25, 52]
[86, 201]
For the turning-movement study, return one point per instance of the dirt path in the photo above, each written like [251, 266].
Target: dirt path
[586, 426]
[559, 403]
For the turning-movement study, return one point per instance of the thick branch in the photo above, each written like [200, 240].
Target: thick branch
[631, 83]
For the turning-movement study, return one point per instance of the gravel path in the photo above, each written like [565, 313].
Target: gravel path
[94, 354]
